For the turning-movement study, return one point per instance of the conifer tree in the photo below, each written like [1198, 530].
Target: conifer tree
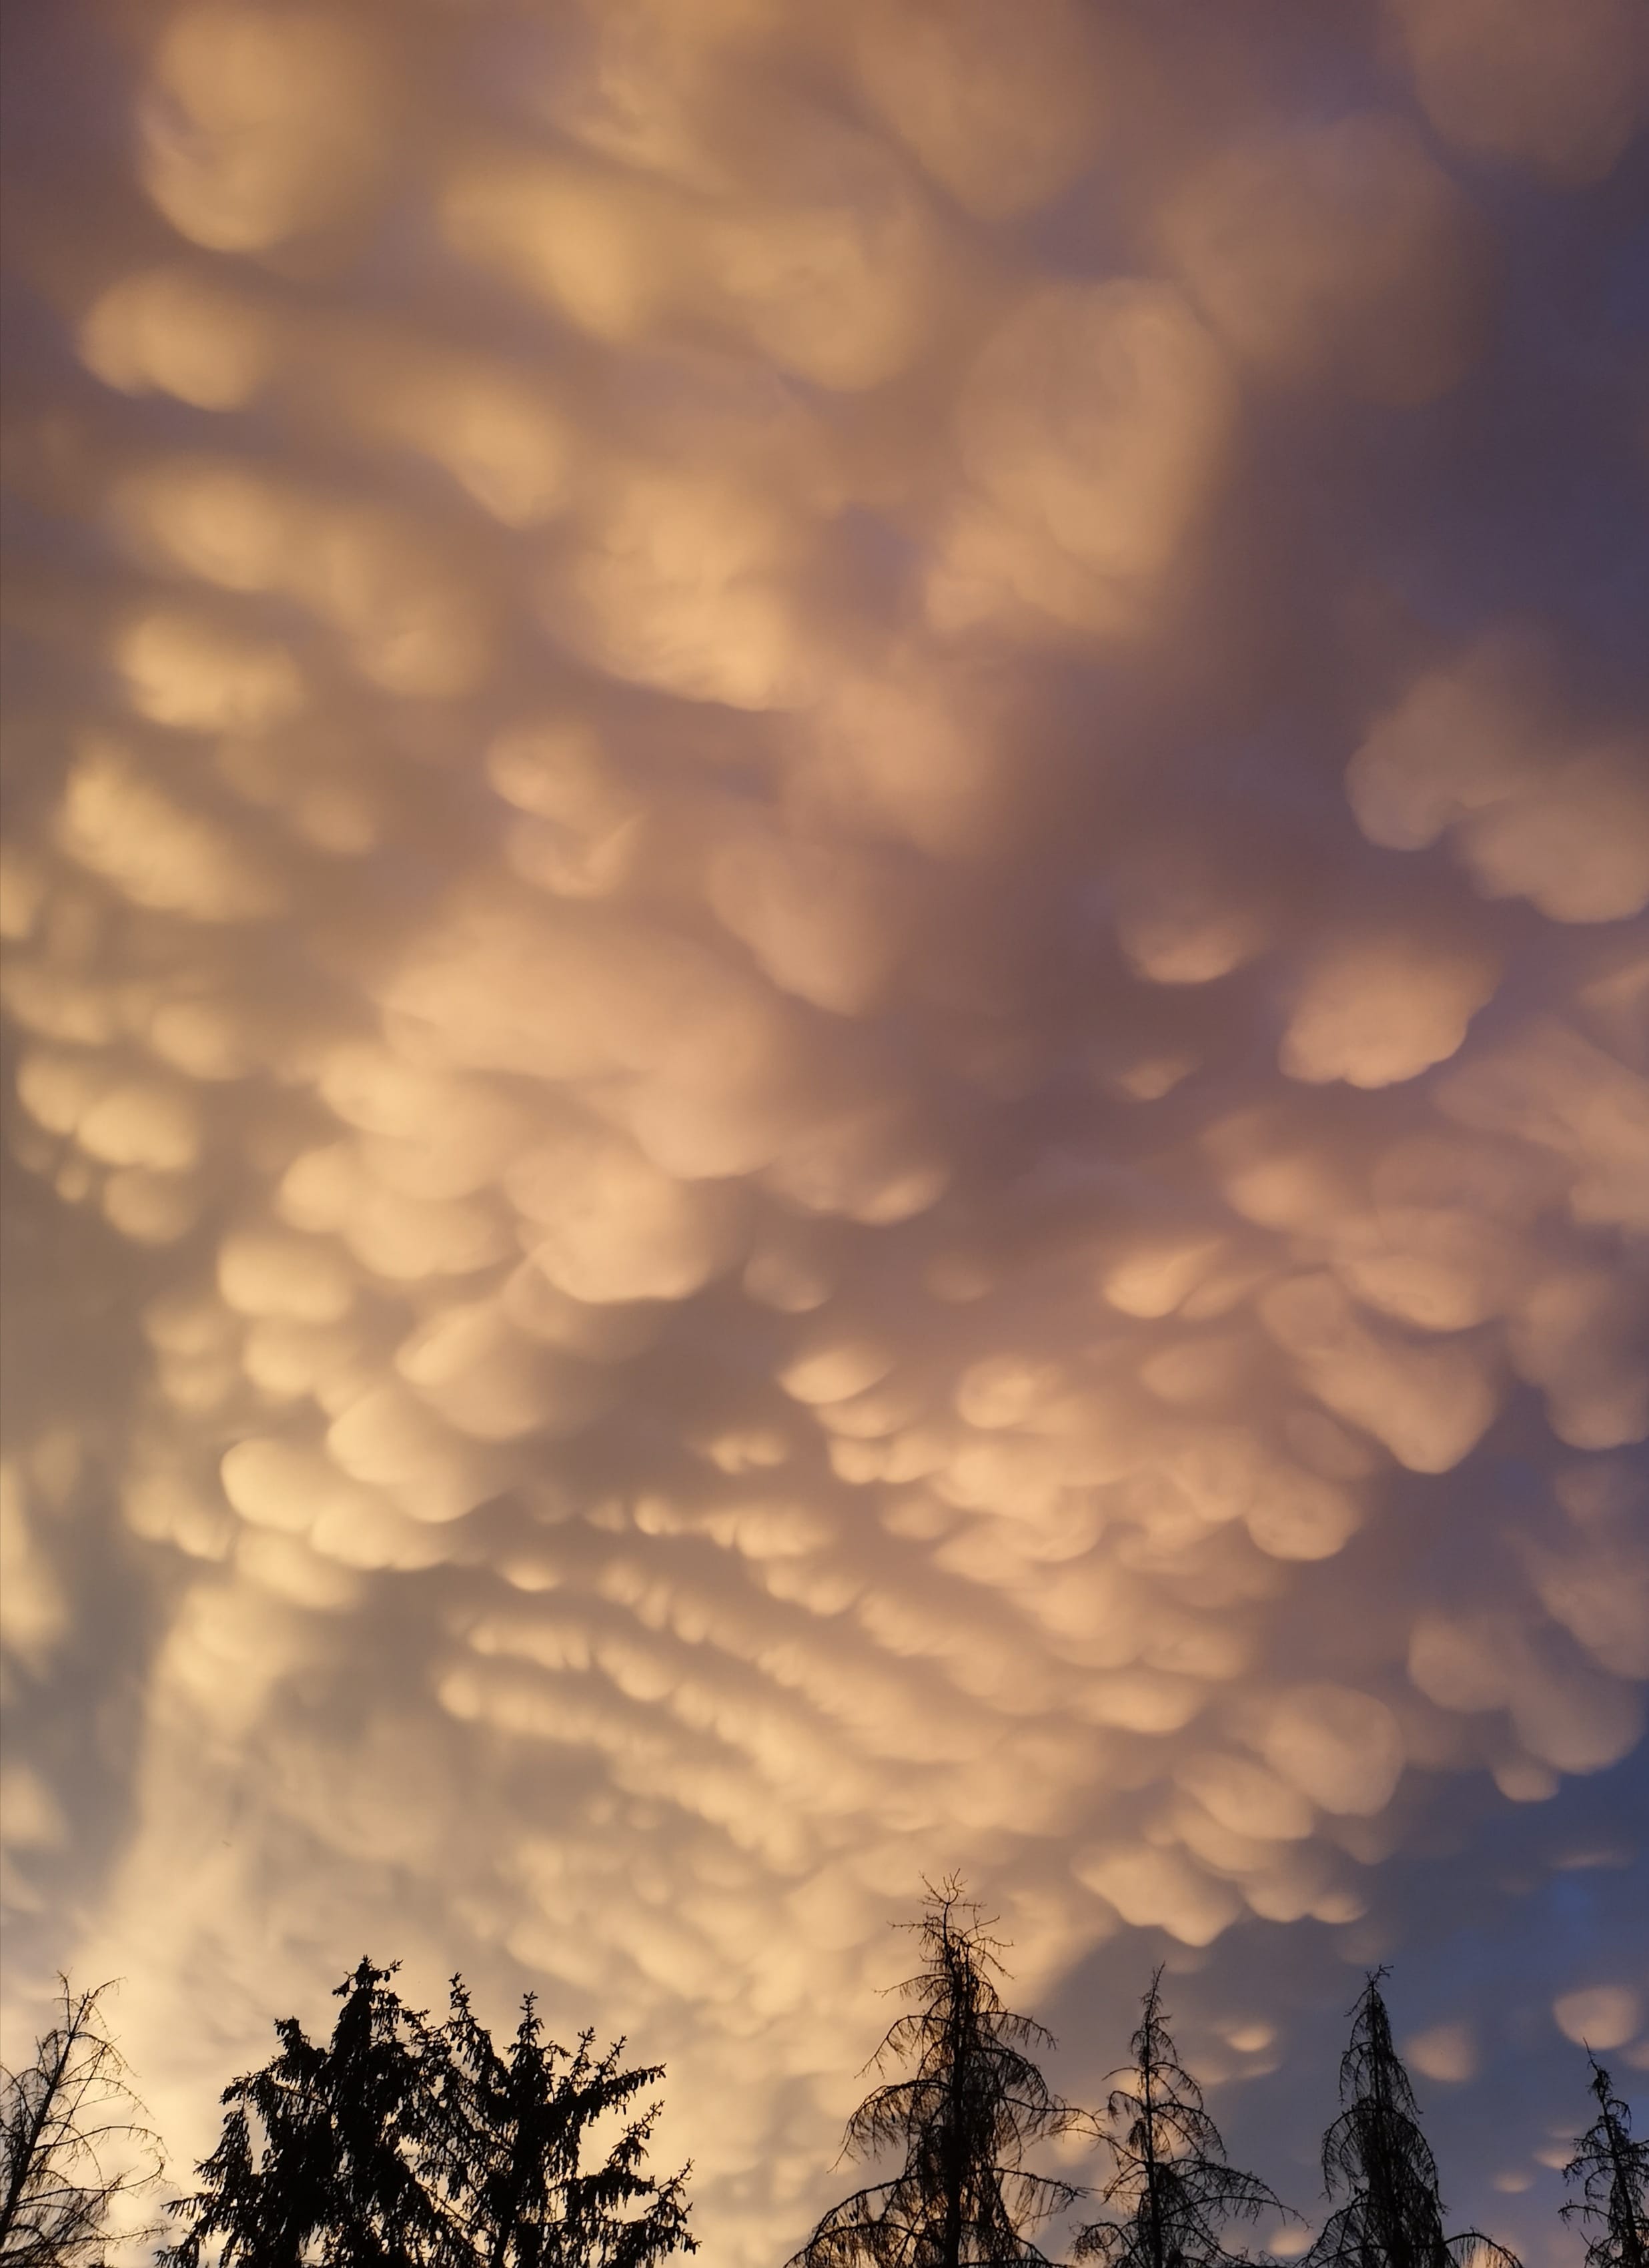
[70, 2141]
[1171, 2182]
[317, 2160]
[1393, 2217]
[963, 2197]
[403, 2145]
[516, 2127]
[1612, 2173]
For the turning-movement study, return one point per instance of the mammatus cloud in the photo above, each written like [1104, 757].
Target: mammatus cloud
[829, 1045]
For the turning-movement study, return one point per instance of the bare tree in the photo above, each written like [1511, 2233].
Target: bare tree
[963, 2197]
[1393, 2217]
[1171, 2182]
[1611, 2171]
[71, 2139]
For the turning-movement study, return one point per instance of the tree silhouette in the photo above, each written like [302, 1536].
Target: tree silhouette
[66, 2121]
[1393, 2217]
[1612, 2172]
[516, 2125]
[1171, 2182]
[963, 2120]
[403, 2145]
[317, 2158]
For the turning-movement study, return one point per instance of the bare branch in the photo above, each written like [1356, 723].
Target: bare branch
[1172, 2191]
[963, 2119]
[71, 2140]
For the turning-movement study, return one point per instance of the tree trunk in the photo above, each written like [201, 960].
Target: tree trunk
[23, 2164]
[956, 2170]
[1621, 2191]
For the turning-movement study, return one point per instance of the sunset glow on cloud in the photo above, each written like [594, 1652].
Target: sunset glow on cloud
[828, 1036]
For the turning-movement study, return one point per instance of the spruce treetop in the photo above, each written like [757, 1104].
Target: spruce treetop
[973, 2103]
[515, 2125]
[1392, 2216]
[405, 2144]
[1610, 2171]
[316, 2159]
[1172, 2189]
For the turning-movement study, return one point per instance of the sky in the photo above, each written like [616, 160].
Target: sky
[826, 1040]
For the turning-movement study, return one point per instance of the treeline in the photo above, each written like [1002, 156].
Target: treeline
[403, 2143]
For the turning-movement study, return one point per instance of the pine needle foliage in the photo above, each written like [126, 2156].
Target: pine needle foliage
[517, 2124]
[405, 2144]
[70, 2143]
[963, 2119]
[1392, 2216]
[1171, 2191]
[1610, 2171]
[317, 2160]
